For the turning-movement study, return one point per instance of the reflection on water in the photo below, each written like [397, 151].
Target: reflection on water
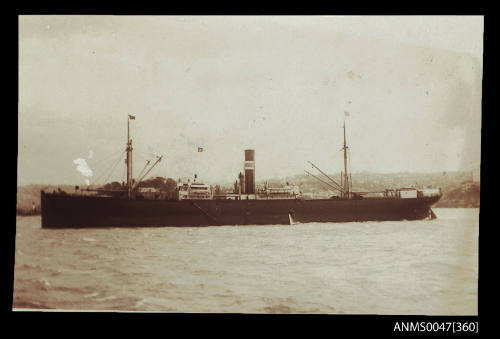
[406, 267]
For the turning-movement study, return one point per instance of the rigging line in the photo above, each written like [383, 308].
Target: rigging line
[335, 188]
[140, 173]
[101, 160]
[338, 186]
[103, 173]
[103, 168]
[112, 170]
[321, 182]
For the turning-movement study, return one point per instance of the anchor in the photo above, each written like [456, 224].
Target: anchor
[204, 212]
[291, 217]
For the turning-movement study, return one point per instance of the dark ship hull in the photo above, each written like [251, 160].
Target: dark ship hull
[73, 211]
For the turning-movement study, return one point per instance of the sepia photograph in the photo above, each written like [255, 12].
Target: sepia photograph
[249, 164]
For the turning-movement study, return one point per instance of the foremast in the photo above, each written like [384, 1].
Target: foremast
[128, 160]
[131, 185]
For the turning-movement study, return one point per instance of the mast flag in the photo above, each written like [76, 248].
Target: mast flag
[131, 117]
[200, 149]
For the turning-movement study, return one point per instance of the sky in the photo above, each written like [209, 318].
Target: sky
[280, 85]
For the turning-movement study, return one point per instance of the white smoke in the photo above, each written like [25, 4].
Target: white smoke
[83, 168]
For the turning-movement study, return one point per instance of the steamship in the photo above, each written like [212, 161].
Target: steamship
[196, 204]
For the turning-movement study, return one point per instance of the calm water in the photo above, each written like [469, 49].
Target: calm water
[407, 267]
